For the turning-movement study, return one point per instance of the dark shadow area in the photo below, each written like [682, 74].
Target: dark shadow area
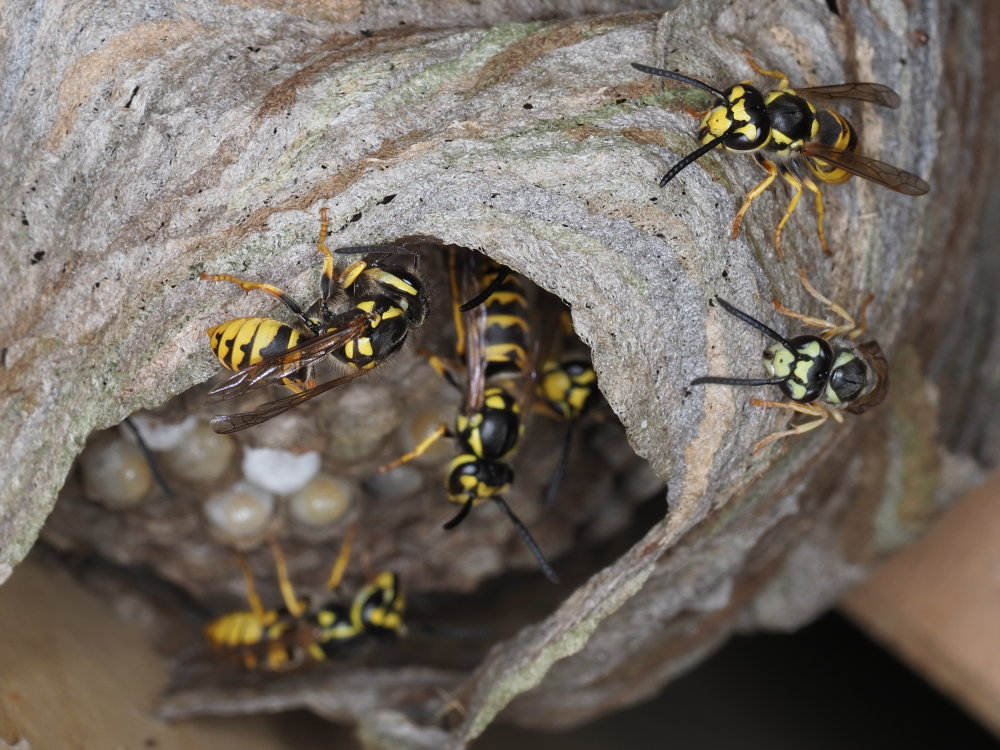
[826, 687]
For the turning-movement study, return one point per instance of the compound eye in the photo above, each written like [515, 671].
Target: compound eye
[848, 380]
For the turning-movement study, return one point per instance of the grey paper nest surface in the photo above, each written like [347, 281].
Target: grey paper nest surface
[157, 147]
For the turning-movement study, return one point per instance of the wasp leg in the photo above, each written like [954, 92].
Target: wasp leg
[253, 598]
[796, 184]
[850, 327]
[772, 172]
[249, 286]
[329, 277]
[343, 557]
[815, 410]
[782, 78]
[820, 212]
[292, 603]
[420, 449]
[456, 313]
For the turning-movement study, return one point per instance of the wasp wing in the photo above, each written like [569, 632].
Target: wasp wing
[273, 370]
[874, 93]
[878, 172]
[225, 424]
[474, 326]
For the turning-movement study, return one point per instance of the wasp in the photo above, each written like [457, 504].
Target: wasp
[567, 390]
[789, 136]
[492, 342]
[382, 303]
[824, 375]
[285, 638]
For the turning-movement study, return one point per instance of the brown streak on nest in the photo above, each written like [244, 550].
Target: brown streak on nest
[333, 186]
[521, 54]
[337, 11]
[279, 98]
[644, 136]
[140, 43]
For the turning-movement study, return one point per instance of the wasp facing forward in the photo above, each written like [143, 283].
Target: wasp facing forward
[384, 302]
[801, 142]
[823, 375]
[492, 344]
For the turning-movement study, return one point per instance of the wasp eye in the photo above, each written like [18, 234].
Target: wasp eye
[849, 380]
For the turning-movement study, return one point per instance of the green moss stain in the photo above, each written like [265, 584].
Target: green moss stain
[913, 475]
[433, 77]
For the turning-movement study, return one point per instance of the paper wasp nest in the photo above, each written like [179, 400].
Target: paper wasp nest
[210, 146]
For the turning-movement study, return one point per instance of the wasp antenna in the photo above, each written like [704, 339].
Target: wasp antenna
[678, 77]
[738, 381]
[484, 295]
[693, 156]
[147, 454]
[529, 540]
[375, 249]
[557, 476]
[460, 516]
[751, 321]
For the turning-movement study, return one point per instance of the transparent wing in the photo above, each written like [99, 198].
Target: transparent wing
[874, 93]
[225, 424]
[273, 370]
[878, 172]
[474, 323]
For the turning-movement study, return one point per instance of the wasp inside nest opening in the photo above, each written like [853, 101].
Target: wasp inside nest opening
[505, 380]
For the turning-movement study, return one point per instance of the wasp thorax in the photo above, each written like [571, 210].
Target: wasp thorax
[792, 118]
[742, 120]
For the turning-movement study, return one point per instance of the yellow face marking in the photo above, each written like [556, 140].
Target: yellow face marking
[811, 349]
[798, 391]
[739, 110]
[779, 363]
[352, 272]
[391, 279]
[802, 370]
[717, 122]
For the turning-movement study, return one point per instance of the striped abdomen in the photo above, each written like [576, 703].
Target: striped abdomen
[507, 329]
[837, 133]
[257, 643]
[241, 342]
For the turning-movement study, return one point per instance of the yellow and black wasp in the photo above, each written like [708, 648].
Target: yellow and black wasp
[285, 638]
[823, 375]
[493, 345]
[789, 136]
[384, 302]
[567, 390]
